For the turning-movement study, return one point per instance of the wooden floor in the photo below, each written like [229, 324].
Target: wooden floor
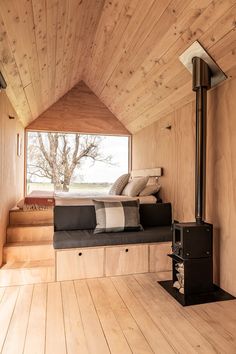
[128, 314]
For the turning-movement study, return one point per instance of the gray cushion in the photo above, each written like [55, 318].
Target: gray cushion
[82, 217]
[86, 238]
[135, 186]
[150, 189]
[119, 184]
[74, 217]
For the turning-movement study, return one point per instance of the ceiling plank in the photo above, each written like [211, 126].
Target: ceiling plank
[51, 15]
[11, 73]
[33, 92]
[40, 22]
[112, 25]
[74, 7]
[91, 17]
[62, 13]
[12, 23]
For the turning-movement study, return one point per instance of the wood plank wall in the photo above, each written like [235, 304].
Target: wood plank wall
[174, 150]
[11, 165]
[79, 110]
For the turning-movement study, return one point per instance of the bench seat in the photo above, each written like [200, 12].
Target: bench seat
[86, 238]
[81, 254]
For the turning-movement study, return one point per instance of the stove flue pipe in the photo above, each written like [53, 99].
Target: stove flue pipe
[201, 83]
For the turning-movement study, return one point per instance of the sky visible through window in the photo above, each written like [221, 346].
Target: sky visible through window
[100, 172]
[94, 159]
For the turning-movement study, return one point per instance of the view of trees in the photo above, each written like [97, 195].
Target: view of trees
[56, 156]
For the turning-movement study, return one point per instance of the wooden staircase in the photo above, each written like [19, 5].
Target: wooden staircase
[28, 255]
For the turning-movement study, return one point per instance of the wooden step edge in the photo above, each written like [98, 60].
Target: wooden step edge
[28, 244]
[19, 210]
[15, 208]
[13, 226]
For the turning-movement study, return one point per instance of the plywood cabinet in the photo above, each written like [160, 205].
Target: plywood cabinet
[159, 262]
[80, 263]
[126, 259]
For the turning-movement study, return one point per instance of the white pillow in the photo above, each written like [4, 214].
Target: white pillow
[150, 189]
[119, 184]
[135, 186]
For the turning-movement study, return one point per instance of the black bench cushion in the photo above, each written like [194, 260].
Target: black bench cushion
[83, 217]
[86, 238]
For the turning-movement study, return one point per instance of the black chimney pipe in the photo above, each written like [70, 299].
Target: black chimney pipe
[201, 83]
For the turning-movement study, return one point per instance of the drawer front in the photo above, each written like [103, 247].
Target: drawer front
[126, 260]
[80, 263]
[159, 261]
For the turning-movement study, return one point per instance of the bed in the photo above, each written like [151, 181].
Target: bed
[46, 199]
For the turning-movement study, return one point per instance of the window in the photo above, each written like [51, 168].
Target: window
[63, 162]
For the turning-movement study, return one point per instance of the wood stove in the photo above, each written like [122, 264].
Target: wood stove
[192, 244]
[192, 262]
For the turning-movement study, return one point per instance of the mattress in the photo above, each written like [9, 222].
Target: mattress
[49, 199]
[76, 199]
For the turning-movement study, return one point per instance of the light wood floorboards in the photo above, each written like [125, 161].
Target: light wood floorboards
[126, 314]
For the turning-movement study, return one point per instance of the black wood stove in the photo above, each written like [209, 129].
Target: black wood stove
[192, 244]
[192, 265]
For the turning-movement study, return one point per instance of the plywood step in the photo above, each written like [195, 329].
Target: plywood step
[29, 233]
[20, 217]
[28, 251]
[20, 273]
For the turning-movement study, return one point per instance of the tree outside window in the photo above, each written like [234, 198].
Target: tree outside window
[66, 161]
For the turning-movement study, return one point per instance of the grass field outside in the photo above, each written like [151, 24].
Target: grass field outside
[82, 188]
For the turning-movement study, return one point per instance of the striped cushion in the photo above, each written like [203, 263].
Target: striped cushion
[119, 184]
[117, 216]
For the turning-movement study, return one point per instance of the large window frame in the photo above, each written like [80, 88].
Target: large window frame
[27, 131]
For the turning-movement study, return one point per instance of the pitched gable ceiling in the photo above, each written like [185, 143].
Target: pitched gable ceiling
[79, 110]
[126, 51]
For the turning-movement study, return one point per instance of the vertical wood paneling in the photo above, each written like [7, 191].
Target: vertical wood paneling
[11, 165]
[174, 150]
[221, 178]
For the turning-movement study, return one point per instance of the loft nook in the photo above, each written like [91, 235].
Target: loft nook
[117, 176]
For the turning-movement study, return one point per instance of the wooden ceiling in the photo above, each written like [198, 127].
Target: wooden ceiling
[126, 51]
